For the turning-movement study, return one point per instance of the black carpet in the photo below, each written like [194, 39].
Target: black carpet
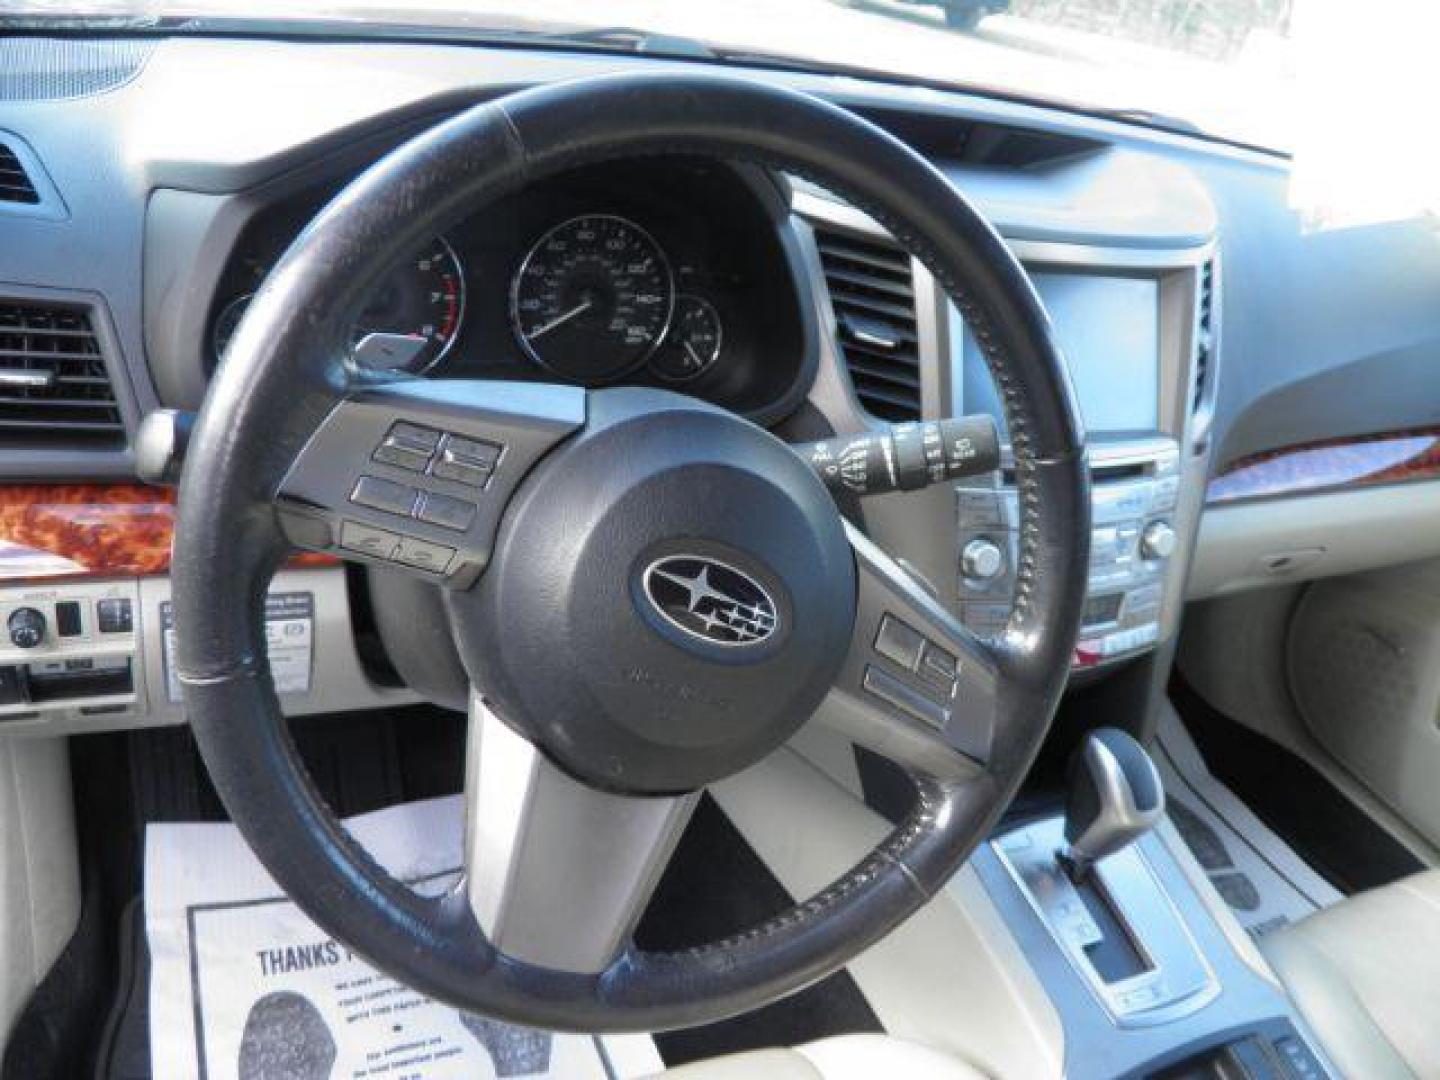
[715, 886]
[1312, 815]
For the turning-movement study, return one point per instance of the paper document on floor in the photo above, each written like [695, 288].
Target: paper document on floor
[245, 987]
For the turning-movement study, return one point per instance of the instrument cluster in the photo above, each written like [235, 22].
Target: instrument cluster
[671, 273]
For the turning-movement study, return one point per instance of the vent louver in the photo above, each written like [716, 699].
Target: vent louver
[873, 294]
[54, 389]
[1204, 337]
[15, 183]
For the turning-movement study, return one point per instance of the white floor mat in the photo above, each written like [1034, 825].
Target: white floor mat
[244, 986]
[1263, 881]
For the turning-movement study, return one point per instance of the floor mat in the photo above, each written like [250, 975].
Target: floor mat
[1294, 799]
[716, 886]
[244, 986]
[1265, 883]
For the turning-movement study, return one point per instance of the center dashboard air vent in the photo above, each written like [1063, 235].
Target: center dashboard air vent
[1204, 337]
[872, 292]
[54, 387]
[15, 183]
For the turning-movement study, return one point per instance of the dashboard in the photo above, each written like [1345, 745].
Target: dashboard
[1237, 367]
[666, 273]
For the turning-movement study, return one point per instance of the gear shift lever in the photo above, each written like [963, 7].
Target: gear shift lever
[1115, 798]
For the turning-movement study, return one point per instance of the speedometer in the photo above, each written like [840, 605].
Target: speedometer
[592, 299]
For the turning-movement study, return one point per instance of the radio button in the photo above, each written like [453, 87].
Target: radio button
[1164, 494]
[1158, 540]
[1116, 502]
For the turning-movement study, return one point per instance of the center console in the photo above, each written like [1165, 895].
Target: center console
[1110, 328]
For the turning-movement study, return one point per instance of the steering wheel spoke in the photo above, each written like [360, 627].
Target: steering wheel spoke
[558, 873]
[917, 686]
[414, 475]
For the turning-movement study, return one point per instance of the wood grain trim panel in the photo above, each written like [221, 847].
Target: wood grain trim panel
[1359, 461]
[91, 530]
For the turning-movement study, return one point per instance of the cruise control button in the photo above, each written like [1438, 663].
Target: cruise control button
[414, 436]
[471, 451]
[423, 555]
[905, 698]
[448, 513]
[474, 475]
[368, 540]
[939, 668]
[899, 643]
[384, 495]
[401, 456]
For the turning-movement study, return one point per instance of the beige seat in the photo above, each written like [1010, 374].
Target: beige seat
[845, 1057]
[1366, 976]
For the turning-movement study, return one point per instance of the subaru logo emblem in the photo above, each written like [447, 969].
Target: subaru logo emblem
[711, 601]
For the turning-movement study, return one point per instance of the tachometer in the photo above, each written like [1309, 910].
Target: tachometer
[592, 299]
[408, 323]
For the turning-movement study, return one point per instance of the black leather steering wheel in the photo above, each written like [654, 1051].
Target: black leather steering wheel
[651, 593]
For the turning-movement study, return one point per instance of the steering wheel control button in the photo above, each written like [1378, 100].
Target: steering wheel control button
[898, 643]
[939, 668]
[423, 555]
[114, 616]
[385, 495]
[27, 628]
[467, 461]
[447, 512]
[409, 447]
[368, 540]
[905, 698]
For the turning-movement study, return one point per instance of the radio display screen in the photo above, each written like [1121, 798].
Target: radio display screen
[1109, 332]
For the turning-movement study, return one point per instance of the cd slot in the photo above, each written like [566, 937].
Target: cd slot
[78, 679]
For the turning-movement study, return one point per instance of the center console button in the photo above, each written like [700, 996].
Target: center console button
[1157, 541]
[981, 559]
[980, 508]
[114, 616]
[27, 628]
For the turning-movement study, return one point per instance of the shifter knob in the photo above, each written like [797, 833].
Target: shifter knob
[1115, 797]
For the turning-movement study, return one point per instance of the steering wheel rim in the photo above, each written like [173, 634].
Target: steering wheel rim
[284, 376]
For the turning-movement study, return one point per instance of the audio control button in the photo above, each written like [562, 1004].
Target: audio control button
[981, 560]
[898, 643]
[1157, 541]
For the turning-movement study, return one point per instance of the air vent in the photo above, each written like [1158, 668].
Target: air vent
[1204, 337]
[15, 183]
[54, 389]
[873, 294]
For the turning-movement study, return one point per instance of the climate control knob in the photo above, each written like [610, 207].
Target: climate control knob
[27, 628]
[981, 560]
[1157, 541]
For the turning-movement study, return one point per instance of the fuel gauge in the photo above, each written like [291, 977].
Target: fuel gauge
[693, 344]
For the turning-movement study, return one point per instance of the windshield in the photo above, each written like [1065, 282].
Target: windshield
[1218, 66]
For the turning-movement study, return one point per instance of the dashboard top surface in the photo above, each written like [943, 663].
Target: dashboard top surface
[233, 124]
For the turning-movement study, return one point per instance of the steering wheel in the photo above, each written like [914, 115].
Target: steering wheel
[648, 593]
